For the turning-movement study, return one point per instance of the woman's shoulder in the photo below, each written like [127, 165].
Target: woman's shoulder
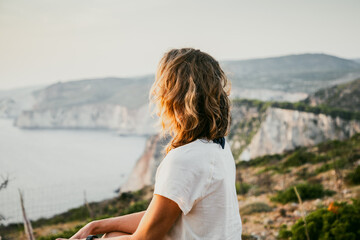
[199, 152]
[195, 147]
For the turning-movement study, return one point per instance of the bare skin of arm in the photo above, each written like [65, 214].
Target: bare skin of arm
[155, 222]
[124, 224]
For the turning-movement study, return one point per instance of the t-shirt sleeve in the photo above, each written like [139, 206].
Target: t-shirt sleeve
[183, 179]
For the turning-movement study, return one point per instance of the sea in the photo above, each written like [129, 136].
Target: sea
[57, 170]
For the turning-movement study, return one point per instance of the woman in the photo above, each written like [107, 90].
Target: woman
[194, 195]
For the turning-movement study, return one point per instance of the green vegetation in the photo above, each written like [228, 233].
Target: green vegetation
[300, 106]
[353, 177]
[261, 161]
[304, 174]
[260, 105]
[127, 202]
[307, 191]
[64, 234]
[136, 207]
[300, 157]
[242, 188]
[344, 96]
[256, 207]
[328, 155]
[324, 109]
[246, 127]
[339, 221]
[284, 233]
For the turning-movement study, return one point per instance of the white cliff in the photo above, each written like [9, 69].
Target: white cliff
[91, 116]
[143, 174]
[9, 108]
[285, 129]
[254, 132]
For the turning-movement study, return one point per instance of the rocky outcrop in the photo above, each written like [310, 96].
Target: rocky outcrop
[13, 102]
[256, 130]
[266, 94]
[9, 108]
[143, 174]
[284, 129]
[344, 96]
[119, 104]
[91, 116]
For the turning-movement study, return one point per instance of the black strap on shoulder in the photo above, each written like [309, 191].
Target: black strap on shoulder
[221, 141]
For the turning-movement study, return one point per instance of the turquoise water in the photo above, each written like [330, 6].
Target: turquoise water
[53, 168]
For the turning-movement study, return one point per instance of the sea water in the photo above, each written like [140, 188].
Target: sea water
[57, 169]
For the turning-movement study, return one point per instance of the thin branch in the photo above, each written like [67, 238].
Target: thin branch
[5, 182]
[27, 223]
[302, 212]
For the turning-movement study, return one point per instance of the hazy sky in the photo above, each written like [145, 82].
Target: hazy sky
[42, 41]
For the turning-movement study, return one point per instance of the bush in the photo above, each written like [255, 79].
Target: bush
[306, 191]
[353, 178]
[242, 188]
[304, 174]
[299, 158]
[256, 207]
[341, 221]
[339, 164]
[284, 233]
[261, 161]
[136, 207]
[65, 234]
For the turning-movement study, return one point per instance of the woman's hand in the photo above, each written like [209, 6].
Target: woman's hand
[83, 232]
[71, 238]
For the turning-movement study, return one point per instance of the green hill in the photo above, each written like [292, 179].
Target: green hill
[345, 96]
[294, 73]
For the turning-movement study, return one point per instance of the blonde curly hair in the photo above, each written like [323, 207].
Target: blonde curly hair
[191, 95]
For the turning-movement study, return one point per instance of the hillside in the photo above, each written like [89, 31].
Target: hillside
[344, 96]
[323, 173]
[356, 60]
[91, 91]
[120, 104]
[14, 101]
[295, 73]
[259, 128]
[82, 103]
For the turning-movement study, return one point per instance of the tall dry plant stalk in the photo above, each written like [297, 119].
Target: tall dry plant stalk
[27, 224]
[87, 205]
[302, 212]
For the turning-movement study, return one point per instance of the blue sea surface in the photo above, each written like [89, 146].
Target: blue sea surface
[55, 169]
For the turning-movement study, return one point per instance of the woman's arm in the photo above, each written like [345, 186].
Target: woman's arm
[127, 224]
[157, 220]
[154, 224]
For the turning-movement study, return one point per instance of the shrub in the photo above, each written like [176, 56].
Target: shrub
[299, 158]
[284, 233]
[353, 178]
[303, 174]
[261, 161]
[248, 237]
[341, 221]
[242, 188]
[136, 207]
[339, 164]
[65, 234]
[307, 191]
[255, 207]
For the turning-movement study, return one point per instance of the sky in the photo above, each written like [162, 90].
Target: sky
[43, 42]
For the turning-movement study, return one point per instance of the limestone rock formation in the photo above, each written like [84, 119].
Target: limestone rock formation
[143, 173]
[285, 129]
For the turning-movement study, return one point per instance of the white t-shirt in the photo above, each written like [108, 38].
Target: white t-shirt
[200, 178]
